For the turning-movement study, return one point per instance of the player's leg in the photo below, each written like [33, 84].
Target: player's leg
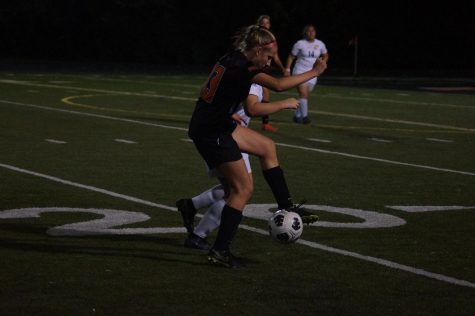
[304, 109]
[301, 115]
[188, 207]
[263, 147]
[209, 197]
[212, 218]
[209, 222]
[240, 191]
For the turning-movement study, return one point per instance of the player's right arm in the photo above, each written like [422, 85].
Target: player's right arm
[286, 83]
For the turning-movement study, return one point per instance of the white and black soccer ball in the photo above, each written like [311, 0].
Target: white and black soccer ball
[285, 226]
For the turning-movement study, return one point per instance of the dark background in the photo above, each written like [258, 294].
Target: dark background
[395, 37]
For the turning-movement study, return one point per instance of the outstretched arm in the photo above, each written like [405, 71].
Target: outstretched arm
[286, 83]
[255, 108]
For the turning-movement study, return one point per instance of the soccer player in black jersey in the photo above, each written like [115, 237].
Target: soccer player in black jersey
[220, 140]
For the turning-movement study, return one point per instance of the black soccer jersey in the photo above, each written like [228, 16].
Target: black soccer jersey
[227, 86]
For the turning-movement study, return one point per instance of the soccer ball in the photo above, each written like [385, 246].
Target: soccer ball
[285, 226]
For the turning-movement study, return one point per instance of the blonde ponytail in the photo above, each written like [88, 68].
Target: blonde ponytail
[253, 36]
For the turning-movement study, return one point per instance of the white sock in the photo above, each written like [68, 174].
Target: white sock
[298, 113]
[303, 107]
[210, 220]
[207, 198]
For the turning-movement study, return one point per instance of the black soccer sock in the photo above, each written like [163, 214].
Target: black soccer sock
[230, 219]
[278, 185]
[265, 119]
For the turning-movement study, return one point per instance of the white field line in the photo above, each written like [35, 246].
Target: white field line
[94, 115]
[43, 85]
[293, 94]
[26, 83]
[372, 118]
[87, 187]
[440, 140]
[125, 141]
[404, 102]
[383, 262]
[280, 144]
[376, 159]
[318, 140]
[380, 140]
[55, 141]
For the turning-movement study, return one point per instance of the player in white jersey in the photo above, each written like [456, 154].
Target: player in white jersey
[305, 52]
[214, 197]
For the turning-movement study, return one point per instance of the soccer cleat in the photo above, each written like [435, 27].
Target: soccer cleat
[306, 216]
[188, 211]
[298, 120]
[306, 120]
[309, 219]
[269, 128]
[224, 258]
[196, 242]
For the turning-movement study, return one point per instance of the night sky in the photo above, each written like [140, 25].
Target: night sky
[402, 37]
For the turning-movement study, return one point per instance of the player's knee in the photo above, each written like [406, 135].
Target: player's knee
[270, 148]
[219, 192]
[244, 191]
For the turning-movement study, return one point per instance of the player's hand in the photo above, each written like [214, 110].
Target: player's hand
[319, 66]
[238, 119]
[291, 103]
[286, 72]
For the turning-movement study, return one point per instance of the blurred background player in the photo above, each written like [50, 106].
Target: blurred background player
[264, 21]
[305, 52]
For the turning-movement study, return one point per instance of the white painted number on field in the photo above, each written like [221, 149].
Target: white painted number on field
[115, 218]
[103, 226]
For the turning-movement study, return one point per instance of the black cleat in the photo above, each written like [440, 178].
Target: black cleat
[196, 242]
[306, 216]
[298, 120]
[188, 211]
[225, 258]
[306, 120]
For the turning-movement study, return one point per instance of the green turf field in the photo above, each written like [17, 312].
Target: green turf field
[91, 166]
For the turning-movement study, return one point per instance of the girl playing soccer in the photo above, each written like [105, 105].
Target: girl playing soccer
[220, 140]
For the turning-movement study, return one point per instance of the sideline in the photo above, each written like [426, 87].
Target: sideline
[383, 262]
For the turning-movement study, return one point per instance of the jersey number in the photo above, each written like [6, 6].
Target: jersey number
[209, 89]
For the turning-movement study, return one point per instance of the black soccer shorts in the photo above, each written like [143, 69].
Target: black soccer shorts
[216, 150]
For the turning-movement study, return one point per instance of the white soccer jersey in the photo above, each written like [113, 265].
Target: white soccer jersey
[307, 53]
[255, 90]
